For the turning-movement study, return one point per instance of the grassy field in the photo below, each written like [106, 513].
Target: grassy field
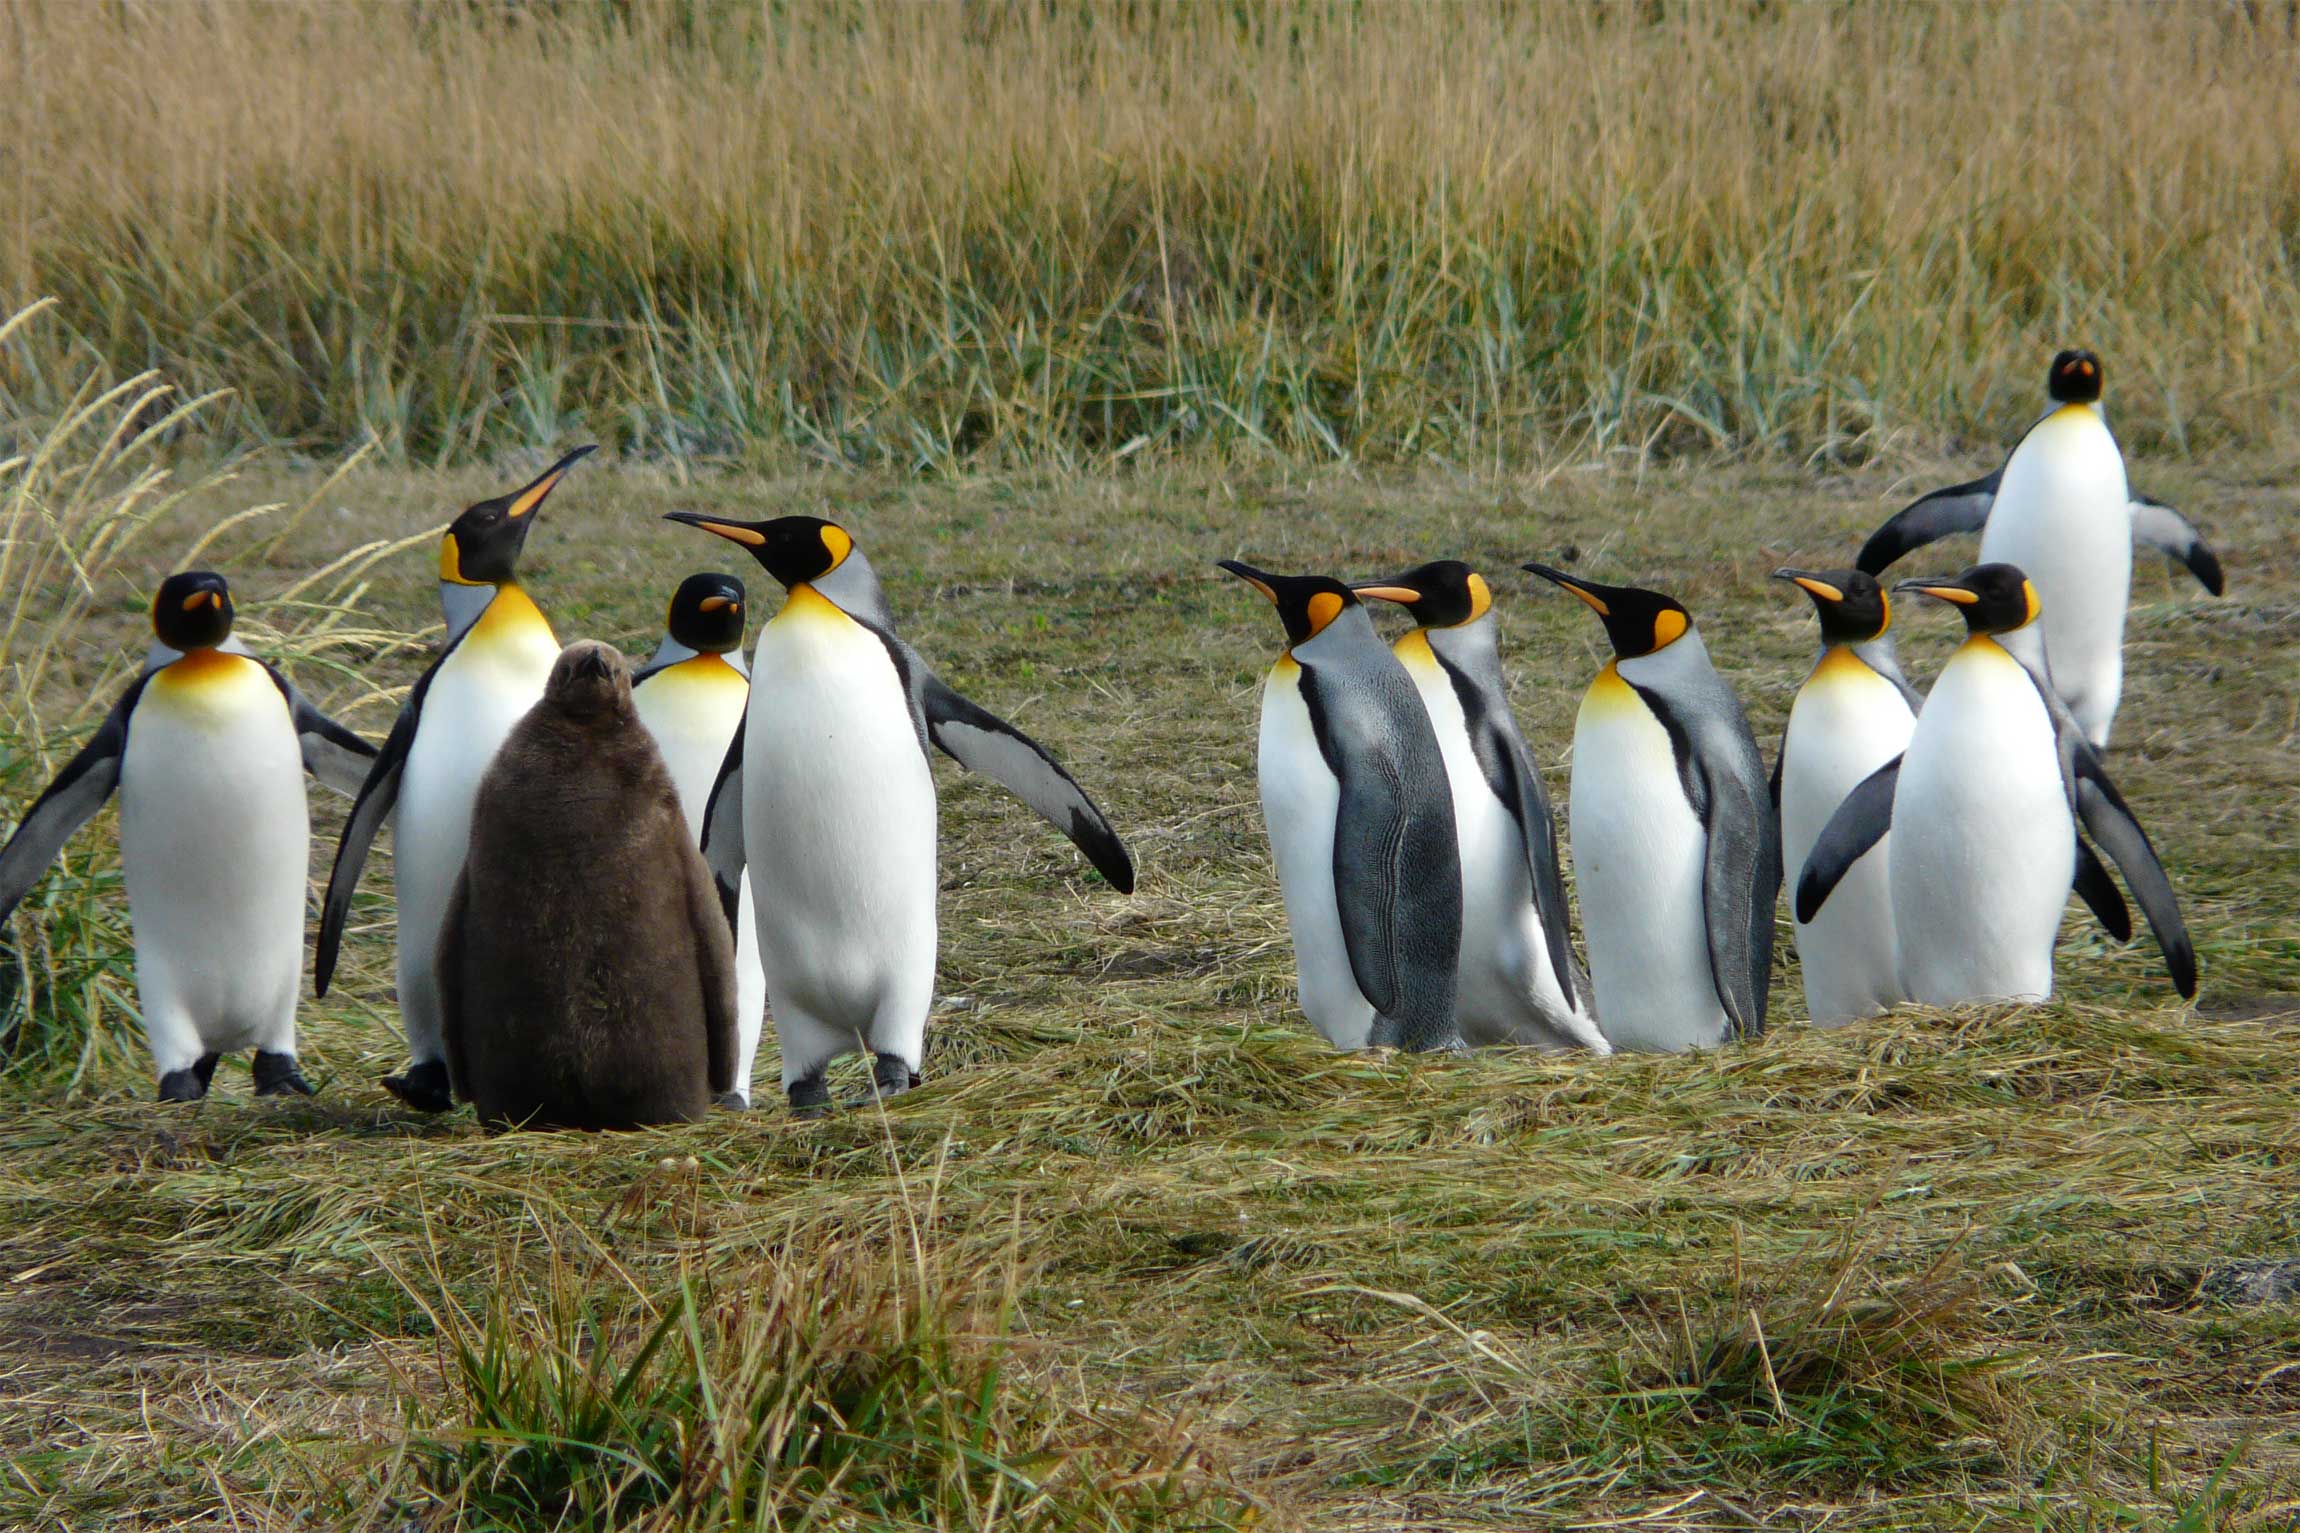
[1144, 1254]
[959, 236]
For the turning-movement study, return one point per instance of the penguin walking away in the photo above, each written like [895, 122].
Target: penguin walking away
[1361, 821]
[498, 654]
[826, 796]
[586, 972]
[2060, 509]
[1853, 714]
[1675, 849]
[691, 697]
[1517, 981]
[207, 748]
[1983, 810]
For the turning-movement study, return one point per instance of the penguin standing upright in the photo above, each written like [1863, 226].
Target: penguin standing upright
[207, 748]
[2060, 509]
[1853, 714]
[827, 795]
[691, 696]
[1675, 849]
[492, 668]
[1361, 821]
[1517, 980]
[1983, 809]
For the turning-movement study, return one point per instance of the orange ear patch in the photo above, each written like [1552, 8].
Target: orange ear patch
[1322, 608]
[1669, 626]
[1480, 597]
[2028, 591]
[837, 542]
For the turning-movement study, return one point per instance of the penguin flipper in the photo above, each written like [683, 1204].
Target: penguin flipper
[67, 803]
[981, 741]
[2099, 893]
[2111, 823]
[331, 753]
[378, 795]
[715, 971]
[723, 848]
[1858, 824]
[1928, 519]
[2158, 526]
[1528, 804]
[1740, 881]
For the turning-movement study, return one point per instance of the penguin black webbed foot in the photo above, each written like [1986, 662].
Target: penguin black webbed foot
[810, 1098]
[276, 1075]
[732, 1101]
[423, 1087]
[892, 1075]
[190, 1083]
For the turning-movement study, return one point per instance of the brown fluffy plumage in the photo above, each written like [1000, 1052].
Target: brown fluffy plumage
[586, 971]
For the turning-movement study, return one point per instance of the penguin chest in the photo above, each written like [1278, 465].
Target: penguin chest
[838, 815]
[215, 840]
[1847, 721]
[1301, 798]
[483, 688]
[692, 709]
[1984, 846]
[2063, 514]
[1638, 851]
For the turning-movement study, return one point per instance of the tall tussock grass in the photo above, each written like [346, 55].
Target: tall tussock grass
[931, 234]
[89, 474]
[854, 1377]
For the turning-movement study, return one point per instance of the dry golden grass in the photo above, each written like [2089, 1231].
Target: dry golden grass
[911, 233]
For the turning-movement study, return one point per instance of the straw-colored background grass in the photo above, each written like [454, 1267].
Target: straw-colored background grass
[916, 234]
[1144, 1254]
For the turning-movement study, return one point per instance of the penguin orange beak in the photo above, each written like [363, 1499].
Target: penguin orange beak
[533, 495]
[1258, 579]
[1403, 595]
[1940, 590]
[734, 532]
[1560, 578]
[1812, 584]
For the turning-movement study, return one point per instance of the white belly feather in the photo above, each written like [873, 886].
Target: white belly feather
[1638, 851]
[1847, 721]
[839, 829]
[1301, 799]
[1984, 848]
[2063, 515]
[215, 842]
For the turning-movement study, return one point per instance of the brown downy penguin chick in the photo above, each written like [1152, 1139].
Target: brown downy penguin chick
[587, 975]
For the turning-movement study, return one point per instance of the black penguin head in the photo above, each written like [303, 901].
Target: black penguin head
[1996, 598]
[794, 549]
[707, 614]
[1445, 593]
[193, 610]
[1853, 607]
[482, 545]
[2075, 378]
[1638, 622]
[1307, 604]
[589, 681]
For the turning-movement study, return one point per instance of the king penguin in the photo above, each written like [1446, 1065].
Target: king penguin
[1361, 822]
[498, 654]
[691, 696]
[1675, 850]
[2060, 509]
[1517, 981]
[1853, 714]
[207, 748]
[826, 795]
[1983, 810]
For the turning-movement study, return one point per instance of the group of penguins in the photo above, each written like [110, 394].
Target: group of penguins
[606, 876]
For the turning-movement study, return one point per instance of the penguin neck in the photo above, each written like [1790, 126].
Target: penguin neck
[467, 606]
[671, 652]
